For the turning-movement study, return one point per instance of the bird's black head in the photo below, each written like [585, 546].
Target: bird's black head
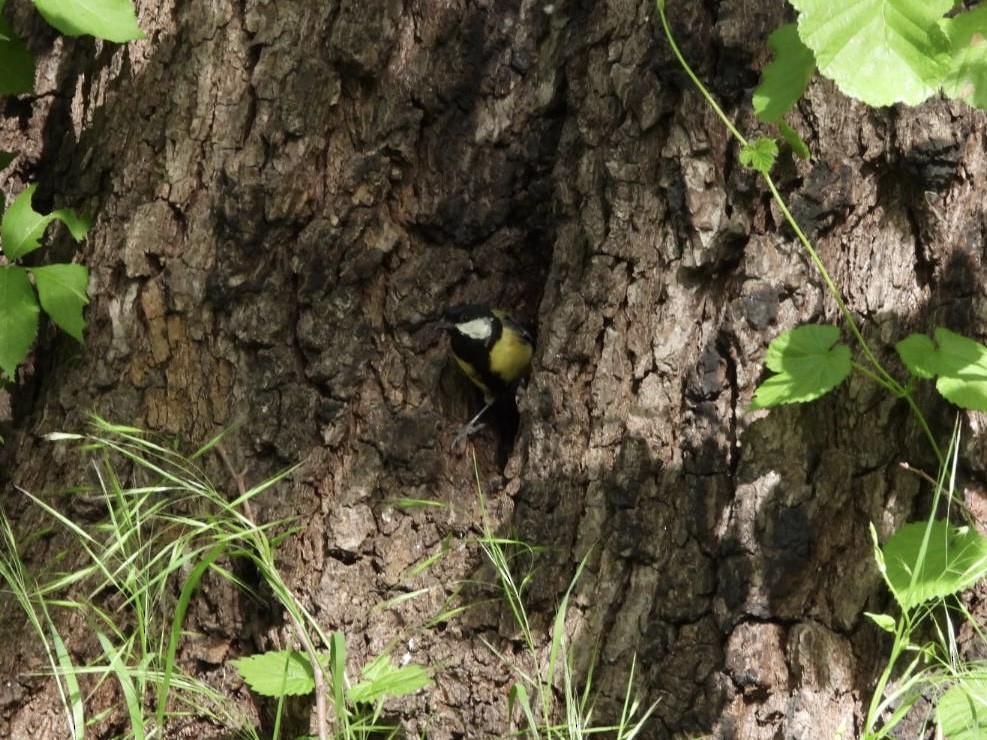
[473, 329]
[463, 313]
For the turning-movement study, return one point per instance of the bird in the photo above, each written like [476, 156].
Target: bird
[493, 350]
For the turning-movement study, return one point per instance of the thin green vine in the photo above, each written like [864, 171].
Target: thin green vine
[877, 372]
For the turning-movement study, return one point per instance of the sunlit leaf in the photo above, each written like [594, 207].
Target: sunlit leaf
[960, 364]
[884, 621]
[277, 673]
[961, 713]
[967, 76]
[382, 678]
[808, 361]
[879, 51]
[113, 20]
[760, 155]
[953, 559]
[919, 355]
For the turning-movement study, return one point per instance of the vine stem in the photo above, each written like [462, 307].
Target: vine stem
[876, 372]
[695, 80]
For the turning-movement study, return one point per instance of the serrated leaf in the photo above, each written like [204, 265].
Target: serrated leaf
[16, 62]
[954, 559]
[809, 363]
[879, 51]
[961, 713]
[961, 364]
[784, 80]
[113, 20]
[967, 76]
[381, 678]
[759, 155]
[919, 355]
[277, 673]
[62, 290]
[18, 317]
[22, 227]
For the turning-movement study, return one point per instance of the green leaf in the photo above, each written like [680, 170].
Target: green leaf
[277, 673]
[22, 227]
[337, 661]
[16, 62]
[18, 317]
[381, 678]
[879, 51]
[919, 355]
[808, 361]
[960, 363]
[951, 560]
[967, 76]
[791, 136]
[518, 695]
[961, 713]
[784, 80]
[113, 20]
[5, 159]
[962, 370]
[77, 225]
[62, 290]
[884, 621]
[759, 155]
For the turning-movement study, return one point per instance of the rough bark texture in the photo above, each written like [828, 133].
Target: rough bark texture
[286, 194]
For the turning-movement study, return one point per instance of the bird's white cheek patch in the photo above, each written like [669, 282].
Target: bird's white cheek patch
[477, 328]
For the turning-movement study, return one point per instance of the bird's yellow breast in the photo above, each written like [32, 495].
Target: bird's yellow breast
[510, 357]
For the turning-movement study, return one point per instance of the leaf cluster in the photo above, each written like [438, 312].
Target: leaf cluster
[358, 707]
[112, 20]
[59, 289]
[809, 361]
[881, 52]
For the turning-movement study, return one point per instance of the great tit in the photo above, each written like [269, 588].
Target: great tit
[493, 350]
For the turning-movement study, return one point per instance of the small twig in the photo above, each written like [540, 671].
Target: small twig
[964, 507]
[317, 675]
[238, 478]
[920, 473]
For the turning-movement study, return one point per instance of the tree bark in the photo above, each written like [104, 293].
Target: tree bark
[287, 194]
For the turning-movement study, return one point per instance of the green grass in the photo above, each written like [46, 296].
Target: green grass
[139, 571]
[133, 577]
[927, 567]
[546, 696]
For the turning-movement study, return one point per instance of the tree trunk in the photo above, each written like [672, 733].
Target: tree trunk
[287, 194]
